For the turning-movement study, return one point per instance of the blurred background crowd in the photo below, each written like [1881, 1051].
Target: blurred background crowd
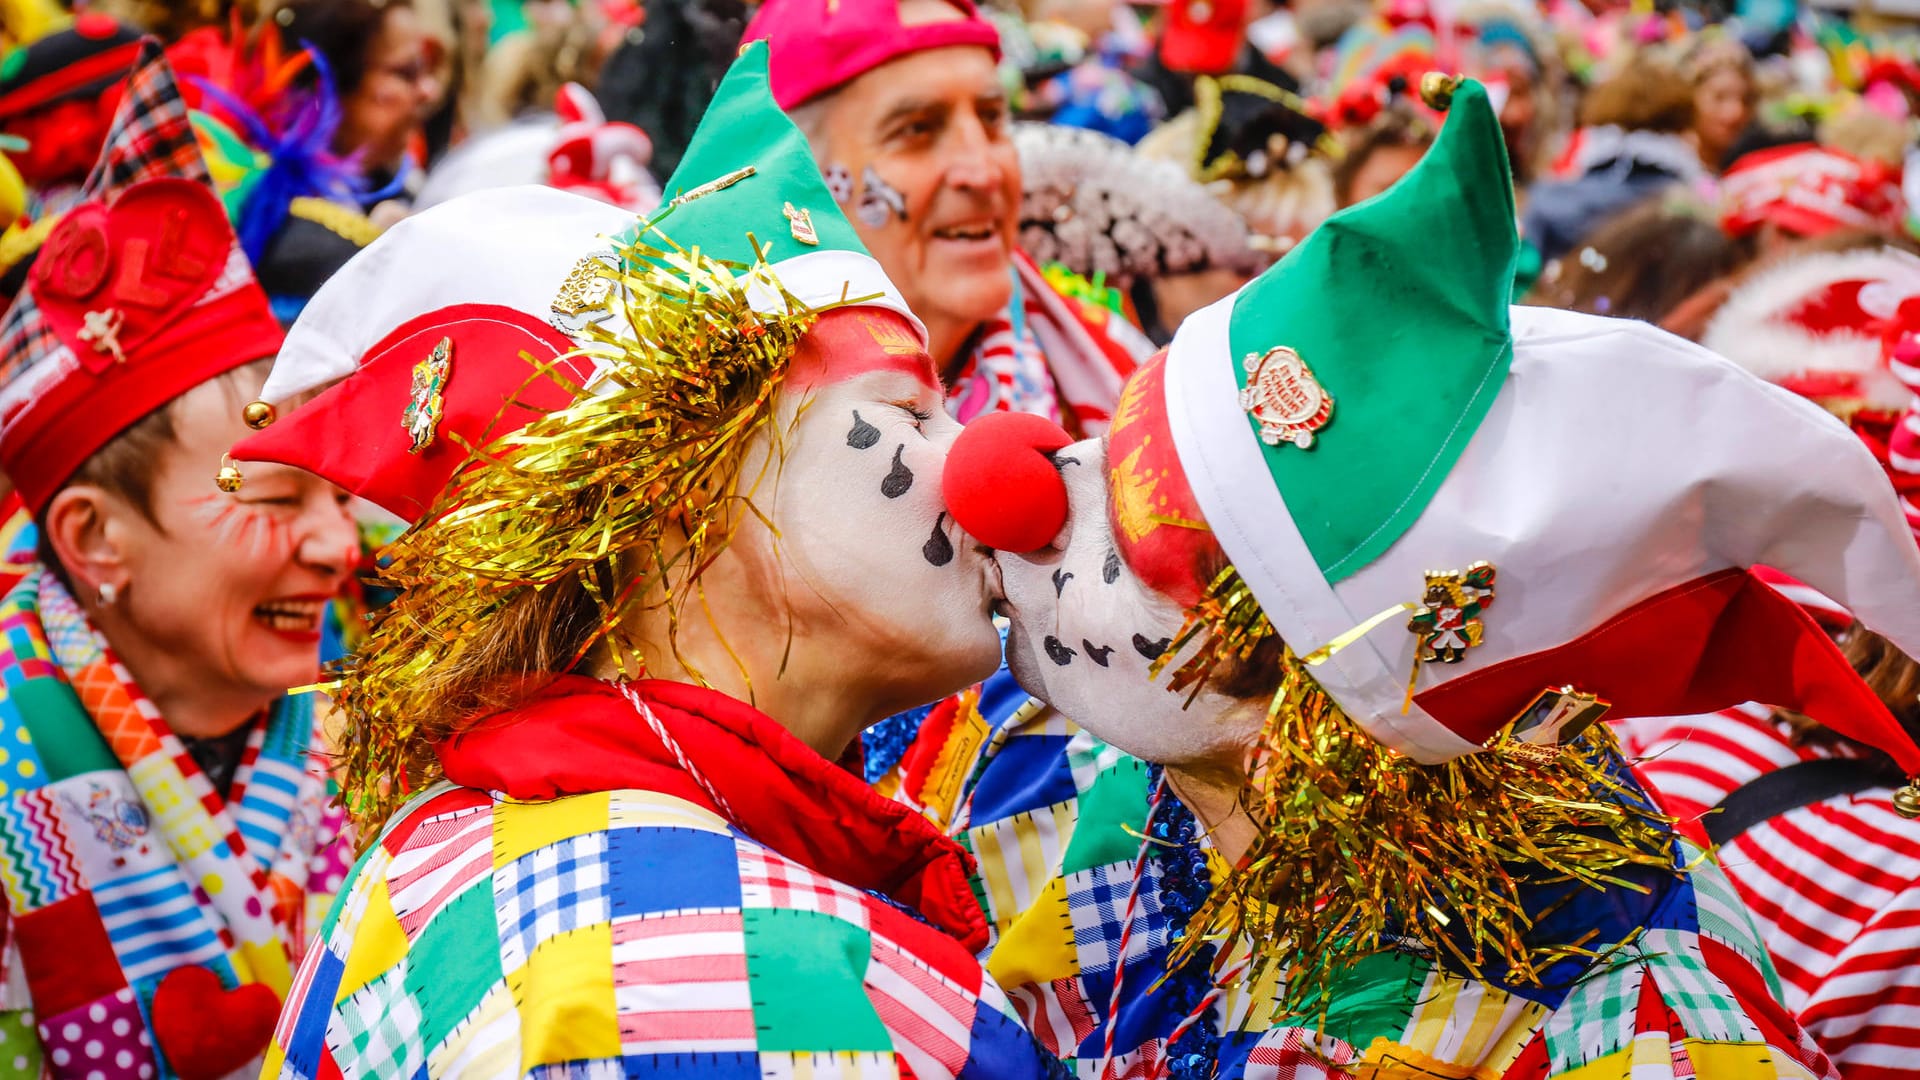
[1666, 156]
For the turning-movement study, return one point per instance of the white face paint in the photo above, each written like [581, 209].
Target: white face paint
[1086, 629]
[866, 557]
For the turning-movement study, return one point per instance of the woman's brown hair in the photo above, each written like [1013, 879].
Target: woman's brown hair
[1648, 94]
[1642, 262]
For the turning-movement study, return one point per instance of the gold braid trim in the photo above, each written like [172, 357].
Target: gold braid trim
[581, 498]
[1363, 851]
[343, 221]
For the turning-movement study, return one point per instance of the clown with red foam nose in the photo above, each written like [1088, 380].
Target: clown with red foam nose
[1325, 628]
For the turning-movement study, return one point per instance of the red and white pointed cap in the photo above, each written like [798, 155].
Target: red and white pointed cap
[480, 274]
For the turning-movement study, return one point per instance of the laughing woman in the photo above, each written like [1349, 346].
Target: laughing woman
[164, 829]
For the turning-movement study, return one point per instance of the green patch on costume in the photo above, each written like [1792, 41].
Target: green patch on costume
[20, 1053]
[382, 1023]
[1398, 307]
[64, 736]
[445, 971]
[1115, 802]
[1376, 998]
[806, 972]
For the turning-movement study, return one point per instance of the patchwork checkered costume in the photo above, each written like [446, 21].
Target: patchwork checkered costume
[1053, 817]
[585, 907]
[122, 868]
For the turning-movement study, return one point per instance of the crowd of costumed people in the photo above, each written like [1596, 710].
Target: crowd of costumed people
[980, 539]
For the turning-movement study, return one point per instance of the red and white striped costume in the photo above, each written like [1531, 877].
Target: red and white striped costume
[1834, 886]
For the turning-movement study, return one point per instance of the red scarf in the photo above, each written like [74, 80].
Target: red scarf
[581, 735]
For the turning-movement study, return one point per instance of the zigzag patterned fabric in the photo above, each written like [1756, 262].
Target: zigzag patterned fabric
[127, 877]
[632, 932]
[1053, 817]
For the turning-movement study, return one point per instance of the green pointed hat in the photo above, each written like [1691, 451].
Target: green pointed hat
[749, 177]
[1319, 410]
[1398, 308]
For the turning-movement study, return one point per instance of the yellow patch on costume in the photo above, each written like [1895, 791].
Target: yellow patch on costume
[487, 1042]
[1038, 947]
[1466, 1021]
[1743, 1059]
[632, 809]
[940, 793]
[266, 964]
[379, 942]
[523, 827]
[565, 995]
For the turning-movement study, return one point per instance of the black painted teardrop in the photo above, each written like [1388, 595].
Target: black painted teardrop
[900, 479]
[1110, 570]
[1099, 655]
[862, 435]
[1058, 653]
[1150, 649]
[938, 550]
[1060, 579]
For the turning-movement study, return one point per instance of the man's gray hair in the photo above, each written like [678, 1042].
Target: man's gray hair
[811, 118]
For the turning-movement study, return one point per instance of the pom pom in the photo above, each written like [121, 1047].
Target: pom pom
[1001, 484]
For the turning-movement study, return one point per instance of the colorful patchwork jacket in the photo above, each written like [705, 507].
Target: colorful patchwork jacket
[152, 926]
[663, 884]
[1054, 818]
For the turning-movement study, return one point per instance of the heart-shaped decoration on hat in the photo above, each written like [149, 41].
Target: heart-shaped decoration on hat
[111, 277]
[206, 1030]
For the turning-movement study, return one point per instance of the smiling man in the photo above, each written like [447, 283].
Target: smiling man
[902, 106]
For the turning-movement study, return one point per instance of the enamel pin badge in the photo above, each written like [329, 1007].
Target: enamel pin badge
[428, 402]
[1284, 398]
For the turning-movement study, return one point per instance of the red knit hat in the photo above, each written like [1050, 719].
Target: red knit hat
[140, 294]
[817, 45]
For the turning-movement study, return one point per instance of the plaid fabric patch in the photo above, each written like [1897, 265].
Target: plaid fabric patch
[1296, 1054]
[1088, 757]
[381, 1022]
[596, 1069]
[1723, 916]
[769, 880]
[152, 135]
[1706, 1008]
[1097, 902]
[1597, 1017]
[560, 887]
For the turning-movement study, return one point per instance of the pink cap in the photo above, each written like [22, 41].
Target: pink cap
[816, 45]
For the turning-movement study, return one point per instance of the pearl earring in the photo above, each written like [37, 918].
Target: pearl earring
[108, 594]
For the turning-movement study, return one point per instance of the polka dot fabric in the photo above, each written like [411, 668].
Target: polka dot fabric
[106, 1040]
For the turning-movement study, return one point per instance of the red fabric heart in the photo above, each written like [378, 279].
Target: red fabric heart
[207, 1031]
[139, 263]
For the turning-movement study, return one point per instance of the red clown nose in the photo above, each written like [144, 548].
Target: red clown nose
[1001, 484]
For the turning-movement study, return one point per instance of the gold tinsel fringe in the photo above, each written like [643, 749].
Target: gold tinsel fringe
[580, 498]
[1364, 851]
